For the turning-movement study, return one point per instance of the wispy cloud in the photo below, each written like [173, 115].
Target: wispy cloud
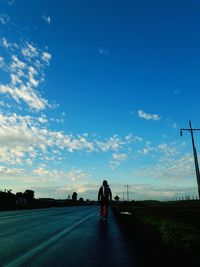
[46, 57]
[4, 19]
[118, 158]
[74, 178]
[6, 172]
[176, 92]
[47, 19]
[11, 2]
[164, 152]
[169, 169]
[4, 42]
[73, 175]
[147, 116]
[103, 51]
[114, 143]
[146, 150]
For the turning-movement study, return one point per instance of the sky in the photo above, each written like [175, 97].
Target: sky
[93, 90]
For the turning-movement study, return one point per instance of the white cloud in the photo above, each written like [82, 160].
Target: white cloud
[4, 19]
[17, 64]
[77, 174]
[4, 104]
[23, 137]
[47, 19]
[26, 139]
[46, 57]
[146, 150]
[4, 42]
[42, 171]
[78, 143]
[142, 114]
[72, 176]
[168, 150]
[29, 51]
[15, 79]
[57, 120]
[120, 157]
[26, 70]
[2, 63]
[10, 172]
[29, 96]
[114, 143]
[43, 119]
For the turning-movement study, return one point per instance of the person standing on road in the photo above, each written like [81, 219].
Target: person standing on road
[104, 197]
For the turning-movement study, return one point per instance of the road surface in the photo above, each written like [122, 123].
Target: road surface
[71, 237]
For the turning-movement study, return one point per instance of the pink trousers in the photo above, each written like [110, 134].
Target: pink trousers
[104, 210]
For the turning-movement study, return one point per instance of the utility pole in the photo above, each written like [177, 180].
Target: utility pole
[191, 130]
[127, 191]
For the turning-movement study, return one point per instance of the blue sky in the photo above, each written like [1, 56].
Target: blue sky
[93, 90]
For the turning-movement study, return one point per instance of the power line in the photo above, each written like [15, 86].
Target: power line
[192, 130]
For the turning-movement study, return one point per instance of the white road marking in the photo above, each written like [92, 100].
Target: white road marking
[27, 256]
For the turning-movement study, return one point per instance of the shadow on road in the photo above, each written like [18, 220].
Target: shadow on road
[103, 245]
[112, 249]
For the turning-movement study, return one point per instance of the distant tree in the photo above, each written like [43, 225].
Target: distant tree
[19, 195]
[29, 195]
[74, 196]
[7, 196]
[81, 200]
[117, 199]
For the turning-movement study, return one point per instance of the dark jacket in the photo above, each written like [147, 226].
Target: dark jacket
[105, 194]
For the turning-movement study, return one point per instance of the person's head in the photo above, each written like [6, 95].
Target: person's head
[105, 183]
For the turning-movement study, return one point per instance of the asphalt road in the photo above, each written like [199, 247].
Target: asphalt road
[71, 237]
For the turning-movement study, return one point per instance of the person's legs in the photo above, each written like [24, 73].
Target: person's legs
[101, 210]
[106, 211]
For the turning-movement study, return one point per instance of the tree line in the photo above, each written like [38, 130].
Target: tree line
[26, 199]
[6, 196]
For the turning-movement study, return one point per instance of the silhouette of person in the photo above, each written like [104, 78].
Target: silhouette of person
[104, 197]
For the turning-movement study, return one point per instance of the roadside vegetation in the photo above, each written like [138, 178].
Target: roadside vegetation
[27, 200]
[168, 229]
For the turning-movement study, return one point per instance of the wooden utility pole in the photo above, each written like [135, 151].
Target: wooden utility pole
[192, 130]
[127, 191]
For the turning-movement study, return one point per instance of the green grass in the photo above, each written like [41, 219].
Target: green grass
[178, 223]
